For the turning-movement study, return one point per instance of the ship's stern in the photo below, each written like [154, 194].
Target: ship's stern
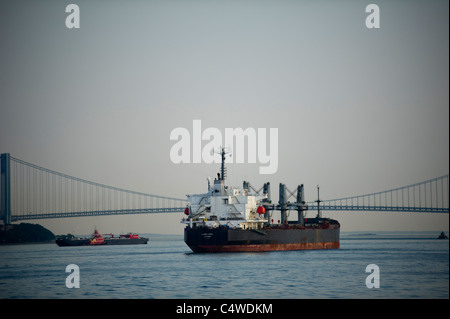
[204, 239]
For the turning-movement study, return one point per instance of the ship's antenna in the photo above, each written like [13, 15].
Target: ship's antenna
[223, 170]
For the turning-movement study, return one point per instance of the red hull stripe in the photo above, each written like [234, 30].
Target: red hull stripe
[266, 247]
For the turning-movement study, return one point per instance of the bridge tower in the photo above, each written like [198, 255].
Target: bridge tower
[5, 188]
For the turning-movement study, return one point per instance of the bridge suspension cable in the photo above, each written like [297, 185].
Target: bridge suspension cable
[37, 192]
[431, 196]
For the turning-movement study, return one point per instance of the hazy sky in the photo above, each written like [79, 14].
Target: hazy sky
[358, 110]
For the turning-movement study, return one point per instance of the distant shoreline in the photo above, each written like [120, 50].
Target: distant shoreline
[28, 243]
[25, 233]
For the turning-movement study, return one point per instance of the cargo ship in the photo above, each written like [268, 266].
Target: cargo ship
[230, 219]
[98, 239]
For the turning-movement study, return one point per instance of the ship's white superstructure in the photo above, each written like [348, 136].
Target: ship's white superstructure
[225, 206]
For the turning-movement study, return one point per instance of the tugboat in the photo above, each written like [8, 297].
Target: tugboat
[97, 239]
[229, 219]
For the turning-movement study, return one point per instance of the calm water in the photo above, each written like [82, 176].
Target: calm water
[412, 265]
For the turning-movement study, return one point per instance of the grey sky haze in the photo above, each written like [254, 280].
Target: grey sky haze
[358, 110]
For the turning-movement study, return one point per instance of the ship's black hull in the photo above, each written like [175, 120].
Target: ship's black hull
[222, 239]
[109, 241]
[72, 242]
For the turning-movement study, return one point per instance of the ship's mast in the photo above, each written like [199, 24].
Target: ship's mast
[222, 166]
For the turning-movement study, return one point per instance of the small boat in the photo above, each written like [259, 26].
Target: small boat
[442, 236]
[98, 239]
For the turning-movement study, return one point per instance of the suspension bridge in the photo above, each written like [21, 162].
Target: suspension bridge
[30, 192]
